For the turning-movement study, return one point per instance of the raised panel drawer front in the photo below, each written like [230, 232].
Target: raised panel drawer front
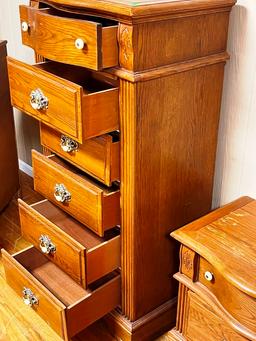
[237, 303]
[54, 296]
[95, 205]
[99, 157]
[78, 251]
[69, 38]
[75, 101]
[203, 324]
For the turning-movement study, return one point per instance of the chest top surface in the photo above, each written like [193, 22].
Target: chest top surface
[141, 8]
[227, 239]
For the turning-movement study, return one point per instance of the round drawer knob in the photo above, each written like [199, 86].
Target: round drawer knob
[208, 276]
[24, 26]
[46, 245]
[79, 43]
[29, 298]
[61, 194]
[67, 144]
[38, 100]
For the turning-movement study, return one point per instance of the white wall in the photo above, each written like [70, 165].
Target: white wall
[236, 156]
[27, 133]
[236, 161]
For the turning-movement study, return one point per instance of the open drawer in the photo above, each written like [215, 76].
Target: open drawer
[95, 205]
[70, 38]
[99, 156]
[60, 301]
[79, 252]
[75, 101]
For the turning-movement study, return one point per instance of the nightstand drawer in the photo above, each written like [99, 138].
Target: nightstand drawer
[79, 252]
[96, 206]
[236, 302]
[73, 100]
[60, 301]
[70, 38]
[99, 157]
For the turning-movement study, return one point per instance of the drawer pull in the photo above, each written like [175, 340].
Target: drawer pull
[67, 144]
[24, 26]
[79, 44]
[61, 194]
[29, 298]
[38, 100]
[46, 245]
[208, 276]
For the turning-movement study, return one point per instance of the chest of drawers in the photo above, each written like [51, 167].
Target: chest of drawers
[128, 98]
[217, 290]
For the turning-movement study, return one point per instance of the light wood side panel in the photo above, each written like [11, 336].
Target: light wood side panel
[94, 306]
[50, 308]
[161, 178]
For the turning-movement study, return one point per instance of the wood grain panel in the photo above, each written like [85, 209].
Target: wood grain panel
[179, 169]
[95, 206]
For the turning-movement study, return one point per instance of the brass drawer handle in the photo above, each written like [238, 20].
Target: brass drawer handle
[67, 144]
[61, 194]
[29, 298]
[209, 276]
[79, 44]
[24, 26]
[46, 245]
[38, 100]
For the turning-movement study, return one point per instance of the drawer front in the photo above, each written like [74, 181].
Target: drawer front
[241, 306]
[77, 102]
[87, 202]
[203, 324]
[48, 307]
[69, 40]
[100, 156]
[64, 98]
[67, 253]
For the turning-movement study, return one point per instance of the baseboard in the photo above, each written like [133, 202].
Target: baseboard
[148, 327]
[24, 167]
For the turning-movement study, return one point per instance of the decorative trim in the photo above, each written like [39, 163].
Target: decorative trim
[214, 303]
[149, 326]
[24, 167]
[168, 70]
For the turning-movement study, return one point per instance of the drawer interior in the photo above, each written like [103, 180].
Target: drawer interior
[54, 279]
[71, 226]
[106, 190]
[91, 81]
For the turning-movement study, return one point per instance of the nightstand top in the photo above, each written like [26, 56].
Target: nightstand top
[143, 8]
[226, 238]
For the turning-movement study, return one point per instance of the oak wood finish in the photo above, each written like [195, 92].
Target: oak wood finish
[8, 152]
[223, 307]
[92, 204]
[62, 303]
[79, 105]
[53, 36]
[99, 157]
[79, 252]
[171, 56]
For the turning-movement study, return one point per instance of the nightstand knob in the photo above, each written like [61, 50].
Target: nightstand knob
[24, 26]
[29, 298]
[208, 276]
[46, 245]
[61, 194]
[67, 144]
[79, 44]
[38, 100]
